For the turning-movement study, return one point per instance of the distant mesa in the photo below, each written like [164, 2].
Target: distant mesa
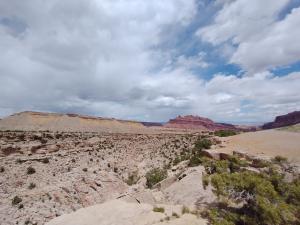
[37, 121]
[197, 122]
[284, 120]
[70, 122]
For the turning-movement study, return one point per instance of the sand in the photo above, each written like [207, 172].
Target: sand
[268, 142]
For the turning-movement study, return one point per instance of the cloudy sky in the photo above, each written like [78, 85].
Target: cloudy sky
[231, 60]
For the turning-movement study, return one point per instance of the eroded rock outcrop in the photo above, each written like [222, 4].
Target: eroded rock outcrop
[197, 122]
[284, 120]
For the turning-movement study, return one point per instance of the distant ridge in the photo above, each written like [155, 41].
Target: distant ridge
[284, 120]
[70, 122]
[30, 121]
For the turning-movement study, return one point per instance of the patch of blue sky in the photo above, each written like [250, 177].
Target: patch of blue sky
[288, 8]
[285, 70]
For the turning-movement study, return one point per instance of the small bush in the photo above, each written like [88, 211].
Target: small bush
[264, 199]
[30, 170]
[84, 169]
[31, 186]
[174, 214]
[159, 209]
[202, 144]
[132, 178]
[225, 133]
[194, 161]
[235, 164]
[2, 169]
[279, 159]
[154, 176]
[185, 210]
[16, 200]
[205, 181]
[45, 160]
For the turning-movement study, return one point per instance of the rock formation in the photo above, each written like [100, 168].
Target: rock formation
[197, 122]
[284, 120]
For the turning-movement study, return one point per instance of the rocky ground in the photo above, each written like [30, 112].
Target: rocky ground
[268, 143]
[54, 173]
[47, 176]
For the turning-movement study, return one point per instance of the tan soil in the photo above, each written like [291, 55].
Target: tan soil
[268, 142]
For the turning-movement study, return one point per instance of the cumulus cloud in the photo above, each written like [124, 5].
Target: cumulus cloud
[278, 46]
[261, 40]
[106, 58]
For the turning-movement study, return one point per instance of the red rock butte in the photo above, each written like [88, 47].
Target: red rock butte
[284, 120]
[197, 122]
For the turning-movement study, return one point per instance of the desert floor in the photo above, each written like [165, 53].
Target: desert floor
[268, 142]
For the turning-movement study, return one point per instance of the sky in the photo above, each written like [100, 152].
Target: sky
[234, 61]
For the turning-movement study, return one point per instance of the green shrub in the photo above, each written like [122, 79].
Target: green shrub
[225, 133]
[214, 166]
[236, 163]
[132, 178]
[177, 160]
[154, 176]
[45, 160]
[31, 186]
[159, 209]
[16, 200]
[279, 159]
[202, 144]
[194, 161]
[263, 204]
[205, 181]
[30, 170]
[174, 214]
[185, 210]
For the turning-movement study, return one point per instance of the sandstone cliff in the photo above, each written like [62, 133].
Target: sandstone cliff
[197, 122]
[284, 120]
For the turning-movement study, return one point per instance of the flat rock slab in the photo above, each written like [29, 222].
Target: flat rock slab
[189, 190]
[118, 212]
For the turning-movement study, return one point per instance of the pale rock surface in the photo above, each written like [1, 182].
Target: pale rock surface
[189, 190]
[118, 212]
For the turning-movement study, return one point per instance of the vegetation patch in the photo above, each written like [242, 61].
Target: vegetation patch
[225, 133]
[132, 179]
[30, 170]
[279, 159]
[201, 144]
[31, 186]
[16, 200]
[159, 209]
[260, 199]
[154, 176]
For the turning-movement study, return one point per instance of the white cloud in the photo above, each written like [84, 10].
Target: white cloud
[278, 46]
[241, 19]
[192, 61]
[261, 41]
[104, 58]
